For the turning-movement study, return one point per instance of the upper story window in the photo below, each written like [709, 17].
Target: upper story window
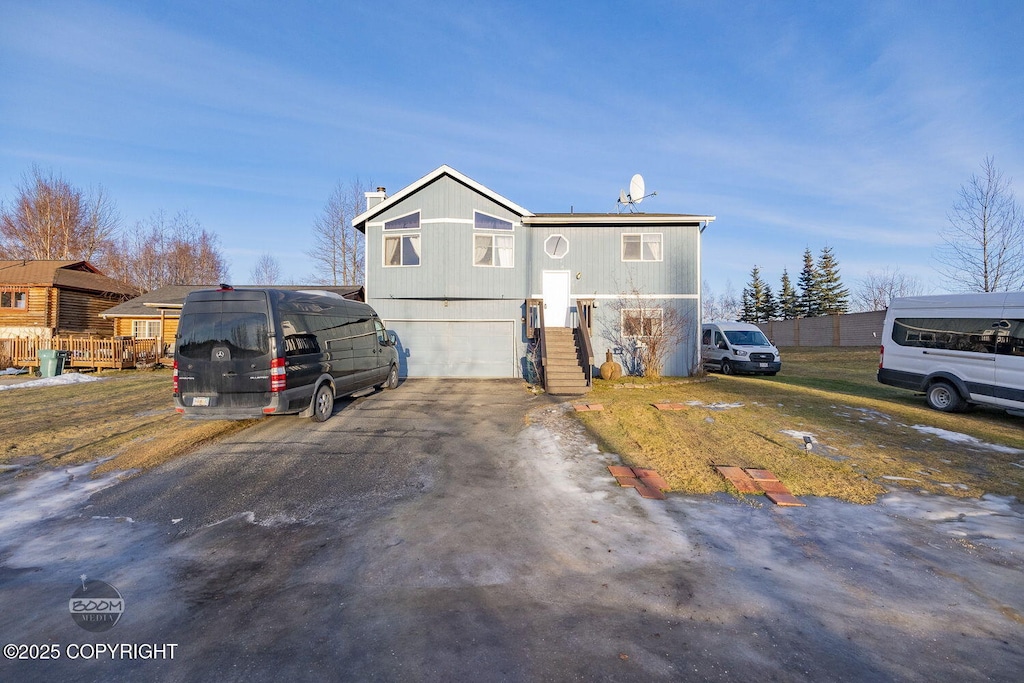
[402, 250]
[496, 251]
[483, 221]
[641, 246]
[14, 299]
[410, 221]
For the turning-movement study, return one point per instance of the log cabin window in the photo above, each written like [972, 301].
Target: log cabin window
[146, 329]
[16, 299]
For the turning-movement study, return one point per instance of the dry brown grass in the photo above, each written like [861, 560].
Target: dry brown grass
[127, 419]
[863, 431]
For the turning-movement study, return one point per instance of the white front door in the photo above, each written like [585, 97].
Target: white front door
[556, 298]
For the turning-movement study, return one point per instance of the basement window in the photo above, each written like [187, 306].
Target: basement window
[641, 323]
[14, 299]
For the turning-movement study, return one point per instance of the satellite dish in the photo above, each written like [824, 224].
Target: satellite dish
[636, 189]
[635, 195]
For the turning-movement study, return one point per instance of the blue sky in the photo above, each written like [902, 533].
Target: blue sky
[798, 124]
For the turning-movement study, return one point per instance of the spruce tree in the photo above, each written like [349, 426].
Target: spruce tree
[769, 309]
[756, 297]
[834, 298]
[810, 289]
[789, 303]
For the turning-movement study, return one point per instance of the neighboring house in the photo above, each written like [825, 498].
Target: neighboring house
[43, 299]
[155, 314]
[459, 272]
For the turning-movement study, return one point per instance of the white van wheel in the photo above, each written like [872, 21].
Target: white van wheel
[944, 396]
[323, 403]
[726, 367]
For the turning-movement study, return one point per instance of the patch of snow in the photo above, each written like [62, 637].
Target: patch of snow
[59, 380]
[796, 434]
[14, 371]
[966, 440]
[54, 493]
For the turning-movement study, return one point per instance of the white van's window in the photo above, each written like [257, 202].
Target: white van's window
[980, 335]
[747, 338]
[246, 335]
[706, 338]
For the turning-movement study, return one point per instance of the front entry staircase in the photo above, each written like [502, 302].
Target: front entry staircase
[563, 372]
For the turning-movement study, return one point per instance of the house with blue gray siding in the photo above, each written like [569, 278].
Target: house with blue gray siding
[475, 285]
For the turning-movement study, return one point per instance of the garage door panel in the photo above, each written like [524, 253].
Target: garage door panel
[456, 348]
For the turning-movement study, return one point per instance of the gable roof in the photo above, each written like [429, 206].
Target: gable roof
[80, 275]
[359, 222]
[172, 297]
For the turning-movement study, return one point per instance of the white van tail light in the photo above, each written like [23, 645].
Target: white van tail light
[278, 380]
[175, 378]
[881, 356]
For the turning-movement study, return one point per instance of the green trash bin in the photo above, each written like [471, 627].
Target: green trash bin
[48, 363]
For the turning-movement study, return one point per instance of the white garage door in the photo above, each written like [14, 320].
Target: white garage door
[456, 348]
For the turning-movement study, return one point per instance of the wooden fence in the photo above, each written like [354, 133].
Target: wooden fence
[83, 352]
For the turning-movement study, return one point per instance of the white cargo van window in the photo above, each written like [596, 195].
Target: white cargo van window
[980, 335]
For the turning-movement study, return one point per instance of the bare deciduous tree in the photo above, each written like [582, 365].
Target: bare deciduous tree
[51, 219]
[338, 252]
[162, 251]
[647, 330]
[724, 306]
[266, 272]
[877, 290]
[984, 242]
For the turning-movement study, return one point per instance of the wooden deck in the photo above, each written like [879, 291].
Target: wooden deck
[93, 353]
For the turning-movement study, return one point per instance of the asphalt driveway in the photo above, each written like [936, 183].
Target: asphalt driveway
[469, 531]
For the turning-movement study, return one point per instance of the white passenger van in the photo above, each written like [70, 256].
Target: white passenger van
[738, 347]
[957, 349]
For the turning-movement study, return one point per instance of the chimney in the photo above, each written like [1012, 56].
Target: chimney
[375, 198]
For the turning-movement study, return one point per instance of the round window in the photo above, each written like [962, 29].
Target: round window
[556, 246]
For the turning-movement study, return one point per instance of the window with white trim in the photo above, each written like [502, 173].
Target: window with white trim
[495, 251]
[410, 221]
[485, 221]
[556, 246]
[644, 246]
[641, 323]
[401, 250]
[146, 329]
[17, 299]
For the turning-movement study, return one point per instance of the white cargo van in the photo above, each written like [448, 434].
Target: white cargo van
[738, 347]
[957, 349]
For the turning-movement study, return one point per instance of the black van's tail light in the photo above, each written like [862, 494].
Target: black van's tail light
[175, 376]
[278, 380]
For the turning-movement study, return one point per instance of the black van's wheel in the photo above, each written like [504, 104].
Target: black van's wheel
[944, 396]
[323, 403]
[726, 367]
[392, 380]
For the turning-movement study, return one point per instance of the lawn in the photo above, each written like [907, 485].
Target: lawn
[866, 437]
[127, 419]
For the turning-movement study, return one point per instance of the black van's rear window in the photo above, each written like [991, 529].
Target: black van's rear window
[244, 334]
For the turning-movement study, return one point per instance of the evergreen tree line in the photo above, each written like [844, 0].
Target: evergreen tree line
[818, 291]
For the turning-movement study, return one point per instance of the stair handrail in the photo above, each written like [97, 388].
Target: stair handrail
[583, 327]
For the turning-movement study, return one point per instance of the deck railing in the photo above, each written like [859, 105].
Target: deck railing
[83, 352]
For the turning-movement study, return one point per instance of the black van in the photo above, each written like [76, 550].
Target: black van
[246, 353]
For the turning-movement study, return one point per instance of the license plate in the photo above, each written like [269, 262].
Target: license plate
[201, 401]
[764, 365]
